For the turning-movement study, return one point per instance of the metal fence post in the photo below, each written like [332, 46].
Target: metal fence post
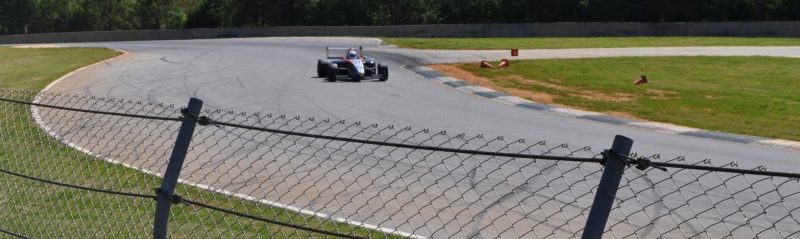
[607, 190]
[174, 168]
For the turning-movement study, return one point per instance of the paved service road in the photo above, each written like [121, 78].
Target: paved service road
[451, 56]
[278, 75]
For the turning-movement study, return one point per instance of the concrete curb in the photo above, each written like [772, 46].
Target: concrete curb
[503, 98]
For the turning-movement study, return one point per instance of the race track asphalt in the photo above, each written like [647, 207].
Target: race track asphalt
[277, 75]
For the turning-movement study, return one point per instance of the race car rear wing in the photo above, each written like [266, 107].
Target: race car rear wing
[329, 48]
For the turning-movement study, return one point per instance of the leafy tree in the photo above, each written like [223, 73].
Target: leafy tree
[211, 13]
[15, 16]
[161, 14]
[109, 15]
[34, 16]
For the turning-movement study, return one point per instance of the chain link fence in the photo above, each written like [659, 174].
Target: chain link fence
[90, 167]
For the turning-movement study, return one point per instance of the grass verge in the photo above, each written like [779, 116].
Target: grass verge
[744, 95]
[583, 42]
[41, 210]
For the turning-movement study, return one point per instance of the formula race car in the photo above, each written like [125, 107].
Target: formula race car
[353, 65]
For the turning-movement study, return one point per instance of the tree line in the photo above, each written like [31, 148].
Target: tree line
[38, 16]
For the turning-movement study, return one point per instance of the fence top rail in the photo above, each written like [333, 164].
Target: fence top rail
[409, 146]
[641, 162]
[90, 111]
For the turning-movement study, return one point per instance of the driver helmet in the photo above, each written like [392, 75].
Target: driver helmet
[352, 54]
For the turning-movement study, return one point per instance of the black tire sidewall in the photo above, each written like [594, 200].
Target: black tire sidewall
[322, 67]
[331, 75]
[383, 70]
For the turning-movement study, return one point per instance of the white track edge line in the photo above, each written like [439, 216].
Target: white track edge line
[40, 123]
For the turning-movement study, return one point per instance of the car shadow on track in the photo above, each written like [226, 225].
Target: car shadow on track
[345, 80]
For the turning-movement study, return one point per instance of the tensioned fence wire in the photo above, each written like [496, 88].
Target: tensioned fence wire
[175, 199]
[361, 180]
[102, 107]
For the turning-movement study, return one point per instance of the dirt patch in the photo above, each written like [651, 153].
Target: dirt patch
[542, 97]
[456, 72]
[549, 98]
[661, 94]
[624, 115]
[713, 97]
[586, 94]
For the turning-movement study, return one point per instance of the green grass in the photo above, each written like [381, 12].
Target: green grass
[744, 95]
[35, 68]
[41, 210]
[582, 42]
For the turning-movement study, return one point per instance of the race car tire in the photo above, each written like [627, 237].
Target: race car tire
[322, 67]
[331, 75]
[383, 71]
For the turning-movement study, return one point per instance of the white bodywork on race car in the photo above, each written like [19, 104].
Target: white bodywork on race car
[358, 64]
[353, 65]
